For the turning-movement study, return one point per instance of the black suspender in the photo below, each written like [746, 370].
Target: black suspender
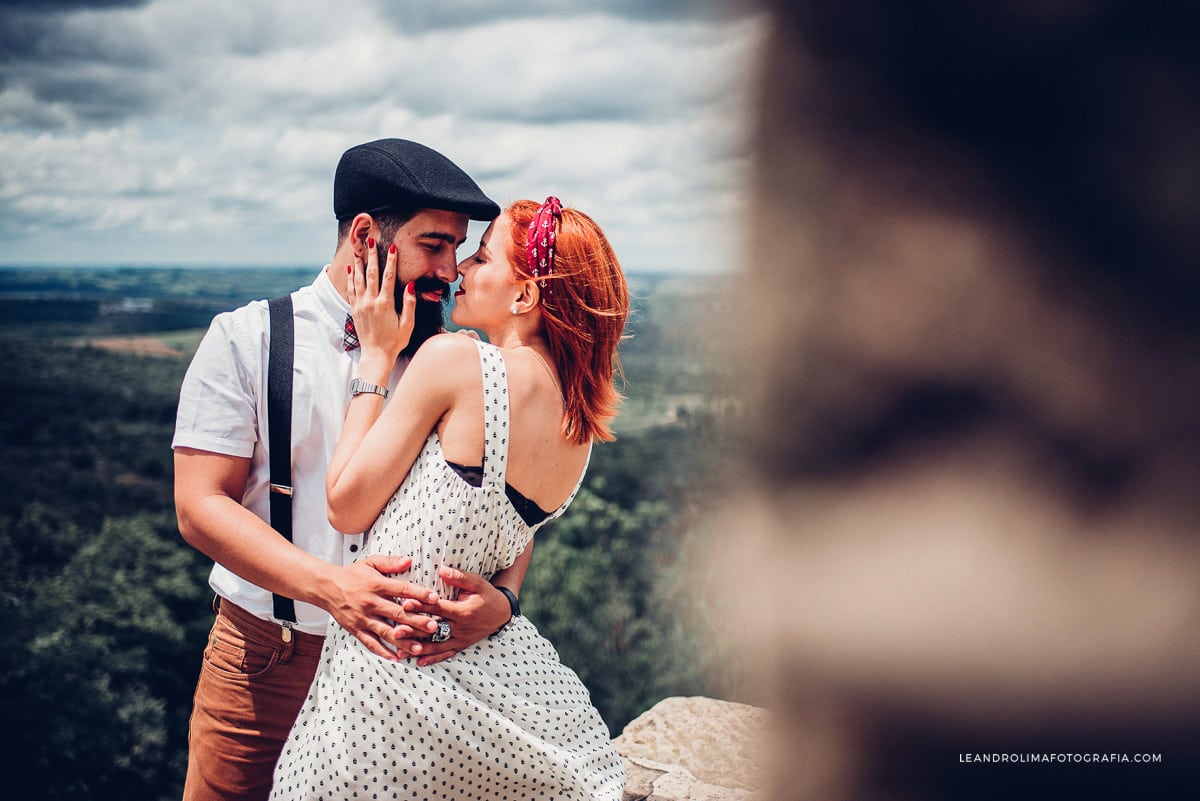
[279, 421]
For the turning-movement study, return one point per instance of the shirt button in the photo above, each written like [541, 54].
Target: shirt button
[353, 549]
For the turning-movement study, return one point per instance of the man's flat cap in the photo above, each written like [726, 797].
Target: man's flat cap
[398, 174]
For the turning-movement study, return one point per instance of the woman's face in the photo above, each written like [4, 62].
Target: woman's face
[488, 289]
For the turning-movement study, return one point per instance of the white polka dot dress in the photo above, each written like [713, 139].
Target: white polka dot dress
[504, 719]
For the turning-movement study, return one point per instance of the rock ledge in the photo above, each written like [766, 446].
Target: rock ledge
[698, 749]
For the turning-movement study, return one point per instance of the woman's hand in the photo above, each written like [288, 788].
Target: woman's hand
[382, 333]
[479, 611]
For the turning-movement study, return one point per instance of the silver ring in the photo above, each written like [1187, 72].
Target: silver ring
[443, 632]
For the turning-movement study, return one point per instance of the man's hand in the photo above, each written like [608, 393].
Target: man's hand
[479, 611]
[375, 608]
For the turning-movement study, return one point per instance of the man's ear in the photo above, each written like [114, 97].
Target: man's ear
[361, 227]
[528, 296]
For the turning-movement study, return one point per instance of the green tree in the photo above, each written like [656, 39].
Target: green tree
[591, 591]
[99, 662]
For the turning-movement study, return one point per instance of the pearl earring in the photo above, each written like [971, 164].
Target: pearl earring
[515, 309]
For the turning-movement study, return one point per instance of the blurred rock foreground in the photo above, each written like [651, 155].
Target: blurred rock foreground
[694, 748]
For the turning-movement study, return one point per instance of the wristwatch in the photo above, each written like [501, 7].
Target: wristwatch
[358, 387]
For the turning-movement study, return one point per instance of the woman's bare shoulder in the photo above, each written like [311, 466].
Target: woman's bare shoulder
[447, 356]
[448, 346]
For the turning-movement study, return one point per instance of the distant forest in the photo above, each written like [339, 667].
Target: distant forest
[106, 610]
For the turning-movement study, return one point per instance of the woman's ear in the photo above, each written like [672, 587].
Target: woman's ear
[527, 297]
[361, 227]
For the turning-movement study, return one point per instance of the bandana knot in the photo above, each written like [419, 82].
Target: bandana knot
[540, 241]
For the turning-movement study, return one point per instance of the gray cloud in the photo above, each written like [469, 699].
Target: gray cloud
[42, 32]
[73, 70]
[59, 6]
[94, 97]
[414, 17]
[180, 121]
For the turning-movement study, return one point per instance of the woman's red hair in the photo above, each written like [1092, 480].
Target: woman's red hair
[584, 308]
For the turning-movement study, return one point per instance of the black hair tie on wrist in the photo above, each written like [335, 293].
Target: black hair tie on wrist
[513, 605]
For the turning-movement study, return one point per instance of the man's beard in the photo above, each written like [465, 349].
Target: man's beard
[430, 320]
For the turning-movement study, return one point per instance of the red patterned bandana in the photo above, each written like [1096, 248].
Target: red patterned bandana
[539, 243]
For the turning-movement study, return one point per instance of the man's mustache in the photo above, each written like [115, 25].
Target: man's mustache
[430, 284]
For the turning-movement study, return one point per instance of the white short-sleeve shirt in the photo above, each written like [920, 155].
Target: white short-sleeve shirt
[223, 409]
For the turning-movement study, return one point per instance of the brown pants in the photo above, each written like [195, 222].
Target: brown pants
[252, 685]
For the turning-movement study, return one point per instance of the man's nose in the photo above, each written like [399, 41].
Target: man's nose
[447, 269]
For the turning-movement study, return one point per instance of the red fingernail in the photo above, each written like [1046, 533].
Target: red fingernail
[349, 268]
[392, 248]
[370, 242]
[411, 288]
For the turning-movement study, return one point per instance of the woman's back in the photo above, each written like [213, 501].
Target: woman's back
[542, 464]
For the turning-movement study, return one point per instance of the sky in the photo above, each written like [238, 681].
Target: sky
[183, 132]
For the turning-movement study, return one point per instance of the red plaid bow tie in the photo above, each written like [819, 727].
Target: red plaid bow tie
[349, 335]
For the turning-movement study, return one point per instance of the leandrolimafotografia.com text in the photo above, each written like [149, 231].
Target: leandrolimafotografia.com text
[1059, 759]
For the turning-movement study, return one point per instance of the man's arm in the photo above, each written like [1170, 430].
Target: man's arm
[480, 610]
[361, 596]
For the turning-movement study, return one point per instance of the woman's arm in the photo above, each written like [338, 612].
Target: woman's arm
[379, 442]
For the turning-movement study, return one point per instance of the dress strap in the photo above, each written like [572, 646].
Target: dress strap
[495, 415]
[578, 484]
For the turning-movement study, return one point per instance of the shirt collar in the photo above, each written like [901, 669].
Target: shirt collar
[332, 305]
